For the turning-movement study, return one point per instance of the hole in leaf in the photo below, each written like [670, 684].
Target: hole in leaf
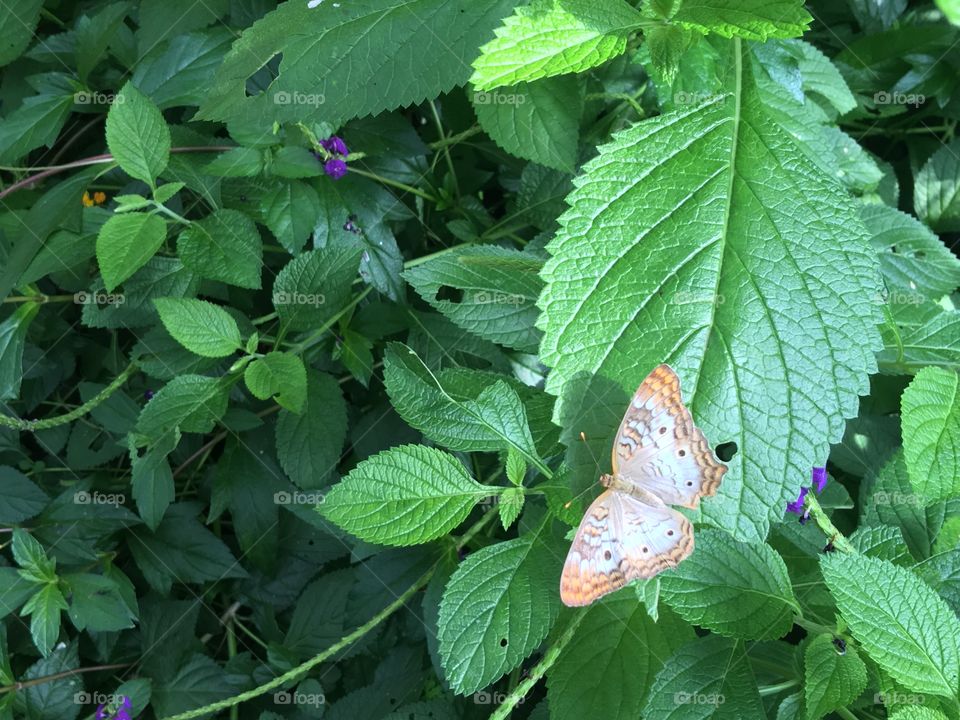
[450, 294]
[726, 451]
[503, 642]
[606, 555]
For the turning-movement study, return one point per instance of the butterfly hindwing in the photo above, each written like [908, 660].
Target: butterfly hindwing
[622, 538]
[660, 449]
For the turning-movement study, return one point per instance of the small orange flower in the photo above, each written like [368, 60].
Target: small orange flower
[99, 198]
[87, 200]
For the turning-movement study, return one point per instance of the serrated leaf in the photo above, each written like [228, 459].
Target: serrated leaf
[21, 498]
[224, 246]
[831, 680]
[509, 506]
[152, 480]
[44, 610]
[707, 678]
[278, 374]
[498, 292]
[125, 243]
[912, 259]
[200, 326]
[315, 286]
[550, 37]
[497, 608]
[821, 76]
[538, 121]
[407, 495]
[13, 337]
[96, 603]
[901, 623]
[917, 712]
[883, 542]
[137, 135]
[936, 192]
[309, 444]
[178, 72]
[750, 19]
[930, 412]
[606, 670]
[516, 467]
[29, 554]
[715, 183]
[237, 162]
[290, 210]
[352, 59]
[496, 420]
[733, 588]
[194, 403]
[17, 23]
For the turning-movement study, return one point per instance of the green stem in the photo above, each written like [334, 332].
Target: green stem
[34, 425]
[813, 627]
[40, 299]
[341, 644]
[845, 714]
[394, 183]
[446, 148]
[766, 690]
[539, 670]
[812, 505]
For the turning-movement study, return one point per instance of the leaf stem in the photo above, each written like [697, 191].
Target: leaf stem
[80, 410]
[778, 688]
[540, 669]
[394, 183]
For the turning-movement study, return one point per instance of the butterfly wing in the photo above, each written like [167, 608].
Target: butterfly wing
[621, 538]
[660, 449]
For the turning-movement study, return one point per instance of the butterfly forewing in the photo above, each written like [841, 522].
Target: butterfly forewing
[622, 538]
[660, 449]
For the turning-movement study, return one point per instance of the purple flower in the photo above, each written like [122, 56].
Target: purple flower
[335, 146]
[101, 713]
[797, 505]
[335, 168]
[819, 478]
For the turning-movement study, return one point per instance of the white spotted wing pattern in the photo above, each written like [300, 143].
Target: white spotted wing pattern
[660, 458]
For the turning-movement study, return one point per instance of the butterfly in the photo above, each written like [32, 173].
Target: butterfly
[660, 458]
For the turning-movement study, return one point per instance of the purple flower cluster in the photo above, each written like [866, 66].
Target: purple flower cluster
[114, 712]
[336, 165]
[819, 480]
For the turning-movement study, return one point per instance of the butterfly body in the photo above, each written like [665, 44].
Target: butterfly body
[660, 458]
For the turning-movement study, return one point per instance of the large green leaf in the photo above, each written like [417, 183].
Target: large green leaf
[930, 409]
[554, 37]
[13, 338]
[200, 326]
[17, 22]
[757, 286]
[832, 680]
[137, 135]
[224, 246]
[707, 678]
[126, 243]
[936, 192]
[903, 625]
[752, 19]
[497, 608]
[733, 588]
[404, 496]
[606, 670]
[345, 60]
